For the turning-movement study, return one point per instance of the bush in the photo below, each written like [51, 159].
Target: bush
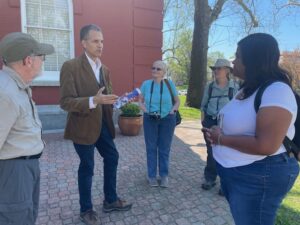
[130, 110]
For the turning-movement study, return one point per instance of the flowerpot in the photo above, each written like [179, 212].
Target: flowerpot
[130, 126]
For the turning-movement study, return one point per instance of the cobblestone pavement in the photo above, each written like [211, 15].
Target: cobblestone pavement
[183, 203]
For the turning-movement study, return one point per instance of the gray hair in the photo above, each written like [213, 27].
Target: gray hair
[84, 31]
[162, 64]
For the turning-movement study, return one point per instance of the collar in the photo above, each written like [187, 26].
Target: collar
[16, 77]
[94, 64]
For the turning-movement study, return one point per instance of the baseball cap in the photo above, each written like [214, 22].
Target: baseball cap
[17, 45]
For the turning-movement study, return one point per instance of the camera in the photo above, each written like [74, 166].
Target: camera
[154, 116]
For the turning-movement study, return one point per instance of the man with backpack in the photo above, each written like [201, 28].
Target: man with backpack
[216, 95]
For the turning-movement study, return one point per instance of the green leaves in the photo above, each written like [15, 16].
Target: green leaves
[130, 110]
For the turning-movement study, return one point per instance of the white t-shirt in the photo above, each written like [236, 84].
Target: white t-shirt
[240, 119]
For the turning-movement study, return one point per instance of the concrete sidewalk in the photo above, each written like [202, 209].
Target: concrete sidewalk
[184, 202]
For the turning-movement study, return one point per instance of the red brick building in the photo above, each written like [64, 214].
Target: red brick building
[132, 36]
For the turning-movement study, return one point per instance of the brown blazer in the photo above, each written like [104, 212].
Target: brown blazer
[77, 84]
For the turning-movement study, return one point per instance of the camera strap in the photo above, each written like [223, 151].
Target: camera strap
[151, 92]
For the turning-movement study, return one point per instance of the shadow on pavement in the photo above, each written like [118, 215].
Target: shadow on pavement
[184, 202]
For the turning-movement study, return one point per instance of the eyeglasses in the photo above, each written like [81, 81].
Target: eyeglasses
[156, 68]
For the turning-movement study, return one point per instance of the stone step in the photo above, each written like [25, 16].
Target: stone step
[54, 118]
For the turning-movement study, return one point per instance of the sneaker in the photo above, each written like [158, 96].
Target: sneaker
[119, 205]
[89, 217]
[207, 185]
[164, 182]
[153, 182]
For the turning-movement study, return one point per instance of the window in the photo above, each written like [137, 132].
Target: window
[50, 21]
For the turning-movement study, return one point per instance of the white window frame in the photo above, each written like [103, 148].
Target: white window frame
[50, 78]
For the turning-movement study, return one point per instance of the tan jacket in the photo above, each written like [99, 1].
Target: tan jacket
[77, 84]
[20, 126]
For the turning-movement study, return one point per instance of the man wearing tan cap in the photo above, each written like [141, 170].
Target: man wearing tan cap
[21, 143]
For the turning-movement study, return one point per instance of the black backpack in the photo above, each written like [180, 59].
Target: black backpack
[210, 89]
[292, 146]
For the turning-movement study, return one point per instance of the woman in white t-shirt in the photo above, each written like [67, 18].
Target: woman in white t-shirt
[255, 170]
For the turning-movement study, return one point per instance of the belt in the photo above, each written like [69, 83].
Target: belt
[37, 156]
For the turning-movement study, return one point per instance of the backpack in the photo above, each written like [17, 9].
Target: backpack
[177, 114]
[291, 146]
[210, 89]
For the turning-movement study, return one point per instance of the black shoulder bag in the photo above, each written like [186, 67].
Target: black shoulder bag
[178, 116]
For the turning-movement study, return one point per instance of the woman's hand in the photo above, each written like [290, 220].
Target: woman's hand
[213, 134]
[142, 104]
[142, 107]
[173, 111]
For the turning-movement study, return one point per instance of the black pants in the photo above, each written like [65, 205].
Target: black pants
[210, 171]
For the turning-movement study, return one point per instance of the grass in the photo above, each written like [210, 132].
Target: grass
[182, 87]
[188, 113]
[289, 212]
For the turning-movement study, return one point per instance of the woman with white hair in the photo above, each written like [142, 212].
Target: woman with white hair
[159, 122]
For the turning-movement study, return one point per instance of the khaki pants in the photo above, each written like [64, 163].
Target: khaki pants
[19, 191]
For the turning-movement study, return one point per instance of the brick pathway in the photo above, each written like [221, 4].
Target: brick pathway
[184, 202]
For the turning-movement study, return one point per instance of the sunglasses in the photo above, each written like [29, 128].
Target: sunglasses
[156, 68]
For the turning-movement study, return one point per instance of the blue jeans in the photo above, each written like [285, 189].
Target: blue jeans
[158, 138]
[255, 191]
[107, 149]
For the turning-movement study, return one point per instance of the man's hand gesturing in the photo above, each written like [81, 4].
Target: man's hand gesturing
[100, 98]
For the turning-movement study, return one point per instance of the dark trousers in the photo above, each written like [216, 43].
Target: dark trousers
[19, 191]
[107, 149]
[210, 171]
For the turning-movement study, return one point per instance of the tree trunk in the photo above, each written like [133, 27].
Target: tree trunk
[198, 75]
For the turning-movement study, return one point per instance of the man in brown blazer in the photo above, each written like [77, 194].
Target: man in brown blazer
[86, 94]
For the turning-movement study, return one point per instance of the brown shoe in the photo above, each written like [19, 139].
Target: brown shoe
[89, 217]
[119, 205]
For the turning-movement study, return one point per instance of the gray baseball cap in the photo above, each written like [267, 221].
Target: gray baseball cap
[17, 45]
[221, 63]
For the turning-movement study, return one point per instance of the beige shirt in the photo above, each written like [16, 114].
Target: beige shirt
[20, 126]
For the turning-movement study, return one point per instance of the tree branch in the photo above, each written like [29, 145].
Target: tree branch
[173, 57]
[290, 3]
[293, 3]
[248, 10]
[216, 10]
[168, 50]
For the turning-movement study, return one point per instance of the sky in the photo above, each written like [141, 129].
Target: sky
[286, 30]
[228, 30]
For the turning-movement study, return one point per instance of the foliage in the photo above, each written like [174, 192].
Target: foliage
[181, 87]
[180, 59]
[130, 110]
[290, 61]
[289, 212]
